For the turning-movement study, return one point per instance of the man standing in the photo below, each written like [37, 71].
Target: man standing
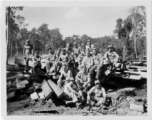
[88, 46]
[27, 52]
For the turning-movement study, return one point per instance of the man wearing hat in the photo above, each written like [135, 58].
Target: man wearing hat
[111, 57]
[27, 52]
[96, 94]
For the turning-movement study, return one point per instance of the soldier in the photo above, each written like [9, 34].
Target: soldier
[27, 52]
[36, 62]
[76, 52]
[97, 64]
[83, 79]
[97, 95]
[111, 57]
[75, 48]
[65, 73]
[87, 61]
[88, 46]
[50, 60]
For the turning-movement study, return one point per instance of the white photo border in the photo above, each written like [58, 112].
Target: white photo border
[74, 3]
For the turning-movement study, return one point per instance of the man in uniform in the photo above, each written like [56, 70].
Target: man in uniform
[97, 95]
[97, 64]
[111, 57]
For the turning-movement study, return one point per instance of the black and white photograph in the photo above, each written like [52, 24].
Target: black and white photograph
[76, 60]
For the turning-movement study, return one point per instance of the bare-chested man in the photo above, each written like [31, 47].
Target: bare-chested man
[28, 51]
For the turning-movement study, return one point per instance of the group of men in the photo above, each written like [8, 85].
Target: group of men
[80, 70]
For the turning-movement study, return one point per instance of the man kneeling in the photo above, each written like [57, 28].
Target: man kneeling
[72, 92]
[96, 95]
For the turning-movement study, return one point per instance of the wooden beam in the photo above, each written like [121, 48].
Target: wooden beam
[138, 67]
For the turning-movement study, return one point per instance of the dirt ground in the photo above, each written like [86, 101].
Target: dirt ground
[24, 106]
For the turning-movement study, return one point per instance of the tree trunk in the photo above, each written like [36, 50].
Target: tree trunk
[124, 51]
[135, 41]
[135, 46]
[7, 53]
[125, 47]
[16, 48]
[11, 47]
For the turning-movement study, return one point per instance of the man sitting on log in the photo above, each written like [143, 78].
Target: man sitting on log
[36, 62]
[50, 61]
[88, 63]
[83, 79]
[96, 95]
[65, 73]
[76, 52]
[97, 64]
[111, 57]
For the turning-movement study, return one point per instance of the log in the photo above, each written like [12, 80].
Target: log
[137, 70]
[143, 74]
[57, 90]
[11, 95]
[22, 62]
[128, 76]
[46, 89]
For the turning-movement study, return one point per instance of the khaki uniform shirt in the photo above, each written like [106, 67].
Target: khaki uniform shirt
[113, 56]
[87, 61]
[98, 92]
[51, 57]
[97, 59]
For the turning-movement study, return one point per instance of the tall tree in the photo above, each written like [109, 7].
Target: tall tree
[138, 17]
[11, 27]
[123, 29]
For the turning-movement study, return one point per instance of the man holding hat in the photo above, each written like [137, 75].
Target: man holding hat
[96, 94]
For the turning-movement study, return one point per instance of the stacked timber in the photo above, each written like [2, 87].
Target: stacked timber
[134, 72]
